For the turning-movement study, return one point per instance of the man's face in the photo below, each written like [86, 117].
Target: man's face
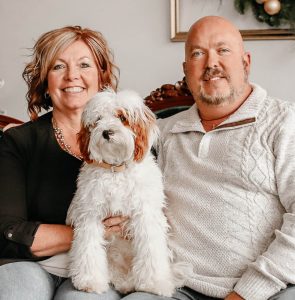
[216, 66]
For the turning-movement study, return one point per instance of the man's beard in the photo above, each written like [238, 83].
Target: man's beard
[226, 97]
[218, 98]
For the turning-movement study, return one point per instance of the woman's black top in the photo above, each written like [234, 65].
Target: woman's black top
[37, 184]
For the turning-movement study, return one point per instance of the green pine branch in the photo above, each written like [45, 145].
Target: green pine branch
[286, 15]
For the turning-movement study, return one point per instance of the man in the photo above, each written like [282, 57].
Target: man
[229, 174]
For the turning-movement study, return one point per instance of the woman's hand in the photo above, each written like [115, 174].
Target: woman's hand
[115, 225]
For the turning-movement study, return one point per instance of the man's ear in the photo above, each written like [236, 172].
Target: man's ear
[247, 61]
[184, 67]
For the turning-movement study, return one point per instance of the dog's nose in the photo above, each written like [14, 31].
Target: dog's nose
[107, 133]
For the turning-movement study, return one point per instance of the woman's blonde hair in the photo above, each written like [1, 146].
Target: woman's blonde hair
[45, 52]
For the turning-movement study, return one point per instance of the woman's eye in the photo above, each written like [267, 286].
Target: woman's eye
[58, 67]
[85, 65]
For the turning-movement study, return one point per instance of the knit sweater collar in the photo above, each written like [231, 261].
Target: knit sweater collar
[244, 116]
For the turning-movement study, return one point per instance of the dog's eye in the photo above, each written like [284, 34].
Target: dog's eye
[122, 118]
[98, 119]
[93, 125]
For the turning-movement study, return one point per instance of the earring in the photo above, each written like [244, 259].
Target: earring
[46, 95]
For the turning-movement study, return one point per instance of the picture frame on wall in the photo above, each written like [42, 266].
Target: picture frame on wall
[184, 13]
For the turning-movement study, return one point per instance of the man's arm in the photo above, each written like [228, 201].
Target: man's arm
[274, 268]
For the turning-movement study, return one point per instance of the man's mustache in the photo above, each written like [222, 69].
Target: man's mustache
[214, 72]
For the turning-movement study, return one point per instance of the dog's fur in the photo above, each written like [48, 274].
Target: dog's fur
[118, 129]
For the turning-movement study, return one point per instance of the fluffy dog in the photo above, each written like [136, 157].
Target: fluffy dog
[119, 176]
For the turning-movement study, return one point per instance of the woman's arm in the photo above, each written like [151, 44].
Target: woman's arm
[51, 239]
[16, 231]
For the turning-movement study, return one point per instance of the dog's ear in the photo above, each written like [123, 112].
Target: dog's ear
[146, 132]
[131, 120]
[83, 140]
[141, 141]
[153, 129]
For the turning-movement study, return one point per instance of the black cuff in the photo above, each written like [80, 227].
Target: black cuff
[22, 233]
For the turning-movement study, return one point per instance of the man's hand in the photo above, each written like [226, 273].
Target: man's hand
[115, 225]
[233, 296]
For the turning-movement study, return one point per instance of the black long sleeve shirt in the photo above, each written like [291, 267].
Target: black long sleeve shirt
[37, 183]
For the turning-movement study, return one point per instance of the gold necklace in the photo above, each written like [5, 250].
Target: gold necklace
[61, 140]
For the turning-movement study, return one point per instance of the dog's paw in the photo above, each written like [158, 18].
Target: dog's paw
[97, 286]
[160, 287]
[124, 287]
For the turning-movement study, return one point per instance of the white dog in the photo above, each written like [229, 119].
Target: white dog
[119, 176]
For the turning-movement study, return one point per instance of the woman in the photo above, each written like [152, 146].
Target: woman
[39, 164]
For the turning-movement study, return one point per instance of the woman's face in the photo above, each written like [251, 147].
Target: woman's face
[73, 78]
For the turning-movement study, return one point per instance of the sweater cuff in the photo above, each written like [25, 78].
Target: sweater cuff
[254, 286]
[22, 232]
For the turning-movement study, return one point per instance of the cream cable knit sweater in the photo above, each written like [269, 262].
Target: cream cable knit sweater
[231, 197]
